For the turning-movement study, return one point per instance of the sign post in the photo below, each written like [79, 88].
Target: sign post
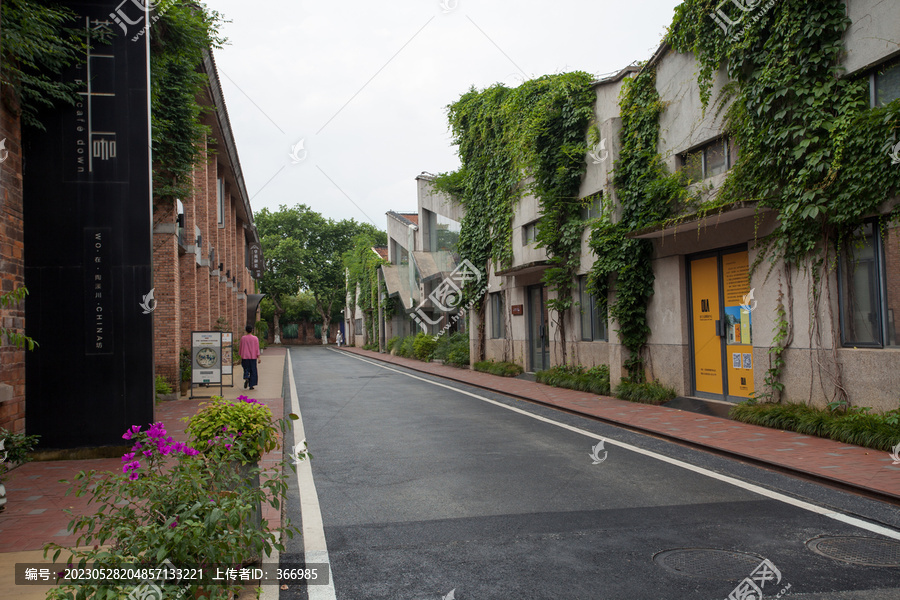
[206, 359]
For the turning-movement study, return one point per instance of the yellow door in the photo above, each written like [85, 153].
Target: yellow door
[722, 332]
[706, 310]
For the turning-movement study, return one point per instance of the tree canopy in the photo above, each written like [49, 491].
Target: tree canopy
[304, 251]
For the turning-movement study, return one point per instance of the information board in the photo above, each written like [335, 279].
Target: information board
[227, 353]
[206, 357]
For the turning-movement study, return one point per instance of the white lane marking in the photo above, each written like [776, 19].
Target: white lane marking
[827, 512]
[315, 549]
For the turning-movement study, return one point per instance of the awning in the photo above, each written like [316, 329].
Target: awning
[391, 276]
[733, 212]
[525, 269]
[428, 268]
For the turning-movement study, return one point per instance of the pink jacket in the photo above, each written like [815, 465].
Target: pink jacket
[249, 347]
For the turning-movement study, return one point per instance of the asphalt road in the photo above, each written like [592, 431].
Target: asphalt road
[427, 492]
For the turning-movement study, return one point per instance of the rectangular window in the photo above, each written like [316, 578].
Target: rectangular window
[594, 208]
[708, 160]
[885, 84]
[869, 276]
[357, 327]
[593, 318]
[498, 316]
[529, 233]
[220, 201]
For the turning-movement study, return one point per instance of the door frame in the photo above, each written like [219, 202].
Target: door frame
[545, 347]
[718, 253]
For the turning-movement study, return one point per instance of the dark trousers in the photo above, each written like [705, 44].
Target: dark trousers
[250, 372]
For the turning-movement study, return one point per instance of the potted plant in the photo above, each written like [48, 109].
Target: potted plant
[14, 451]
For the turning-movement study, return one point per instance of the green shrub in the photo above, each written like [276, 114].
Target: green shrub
[852, 425]
[391, 343]
[575, 377]
[423, 346]
[184, 364]
[162, 386]
[453, 349]
[373, 347]
[651, 392]
[406, 346]
[503, 369]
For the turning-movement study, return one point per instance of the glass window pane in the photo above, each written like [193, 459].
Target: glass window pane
[892, 284]
[859, 291]
[599, 320]
[586, 310]
[693, 165]
[716, 161]
[887, 85]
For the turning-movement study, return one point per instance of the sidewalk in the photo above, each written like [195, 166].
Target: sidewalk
[34, 513]
[869, 471]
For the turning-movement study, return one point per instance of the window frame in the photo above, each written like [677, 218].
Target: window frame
[598, 326]
[594, 210]
[220, 201]
[498, 321]
[880, 302]
[532, 226]
[702, 150]
[893, 63]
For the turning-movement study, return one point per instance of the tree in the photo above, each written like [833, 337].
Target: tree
[362, 263]
[304, 251]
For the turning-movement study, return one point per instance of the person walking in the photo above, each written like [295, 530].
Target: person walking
[249, 351]
[339, 338]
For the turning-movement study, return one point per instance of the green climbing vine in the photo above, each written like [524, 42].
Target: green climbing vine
[648, 194]
[178, 40]
[515, 142]
[811, 147]
[362, 265]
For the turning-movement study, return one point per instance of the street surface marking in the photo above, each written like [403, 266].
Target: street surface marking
[827, 512]
[315, 549]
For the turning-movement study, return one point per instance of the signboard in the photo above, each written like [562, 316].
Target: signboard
[206, 357]
[257, 263]
[88, 233]
[739, 323]
[227, 353]
[517, 309]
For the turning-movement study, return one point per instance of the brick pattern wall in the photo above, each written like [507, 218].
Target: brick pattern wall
[167, 290]
[12, 272]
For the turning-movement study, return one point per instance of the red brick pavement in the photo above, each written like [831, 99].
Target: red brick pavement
[845, 464]
[34, 514]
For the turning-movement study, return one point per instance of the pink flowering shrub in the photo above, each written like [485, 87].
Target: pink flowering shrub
[245, 427]
[172, 502]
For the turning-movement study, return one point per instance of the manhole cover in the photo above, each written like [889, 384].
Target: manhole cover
[872, 552]
[708, 563]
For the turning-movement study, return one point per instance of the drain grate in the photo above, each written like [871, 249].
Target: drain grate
[872, 552]
[708, 563]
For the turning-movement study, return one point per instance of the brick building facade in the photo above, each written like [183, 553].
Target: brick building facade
[201, 273]
[12, 269]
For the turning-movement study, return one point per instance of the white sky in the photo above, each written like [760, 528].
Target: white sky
[365, 85]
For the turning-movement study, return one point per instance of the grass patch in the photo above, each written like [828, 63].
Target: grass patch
[503, 369]
[576, 377]
[651, 392]
[851, 426]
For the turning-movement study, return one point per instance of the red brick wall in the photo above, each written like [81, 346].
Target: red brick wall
[167, 290]
[12, 272]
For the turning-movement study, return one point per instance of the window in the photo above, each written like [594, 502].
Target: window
[593, 318]
[707, 161]
[357, 327]
[220, 196]
[885, 84]
[529, 233]
[869, 278]
[594, 209]
[498, 316]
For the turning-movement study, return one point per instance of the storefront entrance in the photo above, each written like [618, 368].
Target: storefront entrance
[721, 326]
[538, 332]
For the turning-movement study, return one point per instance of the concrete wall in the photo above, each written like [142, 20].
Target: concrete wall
[872, 35]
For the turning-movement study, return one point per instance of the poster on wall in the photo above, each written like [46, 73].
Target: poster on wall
[227, 353]
[206, 357]
[738, 323]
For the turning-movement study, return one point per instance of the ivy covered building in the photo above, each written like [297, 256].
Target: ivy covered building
[731, 229]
